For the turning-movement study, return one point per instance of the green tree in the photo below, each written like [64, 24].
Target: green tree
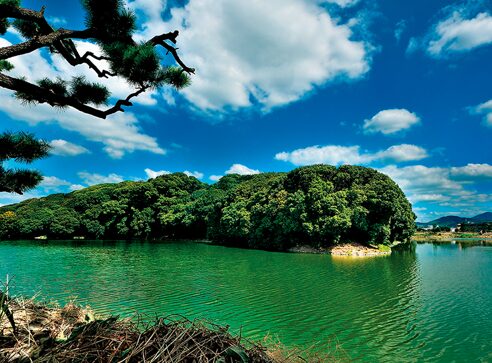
[317, 206]
[8, 225]
[65, 223]
[25, 148]
[111, 26]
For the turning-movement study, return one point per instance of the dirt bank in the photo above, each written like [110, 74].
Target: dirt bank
[345, 249]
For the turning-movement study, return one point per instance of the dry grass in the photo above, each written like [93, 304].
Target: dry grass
[47, 333]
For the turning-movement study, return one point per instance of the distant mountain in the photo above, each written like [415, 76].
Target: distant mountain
[453, 221]
[484, 217]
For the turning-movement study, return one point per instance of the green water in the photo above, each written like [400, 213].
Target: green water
[433, 304]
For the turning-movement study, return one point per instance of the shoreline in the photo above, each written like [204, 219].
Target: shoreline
[450, 236]
[349, 249]
[343, 250]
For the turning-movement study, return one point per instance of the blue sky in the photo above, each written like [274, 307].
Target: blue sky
[400, 86]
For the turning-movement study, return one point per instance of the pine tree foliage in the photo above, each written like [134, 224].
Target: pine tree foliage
[109, 25]
[5, 66]
[23, 148]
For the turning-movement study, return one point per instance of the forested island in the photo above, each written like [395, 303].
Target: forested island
[317, 206]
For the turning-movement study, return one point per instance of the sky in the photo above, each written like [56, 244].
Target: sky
[399, 86]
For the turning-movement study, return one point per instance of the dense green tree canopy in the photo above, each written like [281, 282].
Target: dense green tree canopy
[317, 205]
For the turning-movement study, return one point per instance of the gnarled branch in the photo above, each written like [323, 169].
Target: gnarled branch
[61, 41]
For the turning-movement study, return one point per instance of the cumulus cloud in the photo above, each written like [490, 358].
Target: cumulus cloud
[241, 170]
[119, 133]
[446, 187]
[74, 187]
[215, 178]
[391, 121]
[332, 154]
[151, 174]
[65, 148]
[472, 170]
[486, 110]
[459, 34]
[93, 178]
[53, 183]
[266, 53]
[337, 155]
[401, 153]
[463, 27]
[195, 174]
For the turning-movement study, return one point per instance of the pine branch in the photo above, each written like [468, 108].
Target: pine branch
[43, 41]
[22, 147]
[34, 93]
[160, 40]
[111, 26]
[18, 181]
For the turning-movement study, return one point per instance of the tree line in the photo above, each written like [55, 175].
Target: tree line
[317, 205]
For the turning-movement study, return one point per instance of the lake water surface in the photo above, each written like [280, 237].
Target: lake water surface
[431, 304]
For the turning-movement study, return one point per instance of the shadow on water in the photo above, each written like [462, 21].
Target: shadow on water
[379, 309]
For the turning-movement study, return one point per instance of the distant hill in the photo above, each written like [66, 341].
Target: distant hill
[453, 221]
[484, 217]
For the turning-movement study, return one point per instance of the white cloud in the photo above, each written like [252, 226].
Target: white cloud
[241, 170]
[119, 133]
[53, 183]
[66, 148]
[418, 177]
[154, 174]
[337, 155]
[195, 174]
[332, 155]
[92, 179]
[401, 153]
[486, 110]
[391, 121]
[74, 187]
[151, 10]
[151, 174]
[13, 198]
[272, 51]
[458, 34]
[473, 171]
[215, 178]
[444, 186]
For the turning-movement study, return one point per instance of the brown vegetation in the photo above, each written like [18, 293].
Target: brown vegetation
[47, 333]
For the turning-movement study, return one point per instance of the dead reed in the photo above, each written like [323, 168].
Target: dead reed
[46, 333]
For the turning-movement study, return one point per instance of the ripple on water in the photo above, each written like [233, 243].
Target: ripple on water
[431, 305]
